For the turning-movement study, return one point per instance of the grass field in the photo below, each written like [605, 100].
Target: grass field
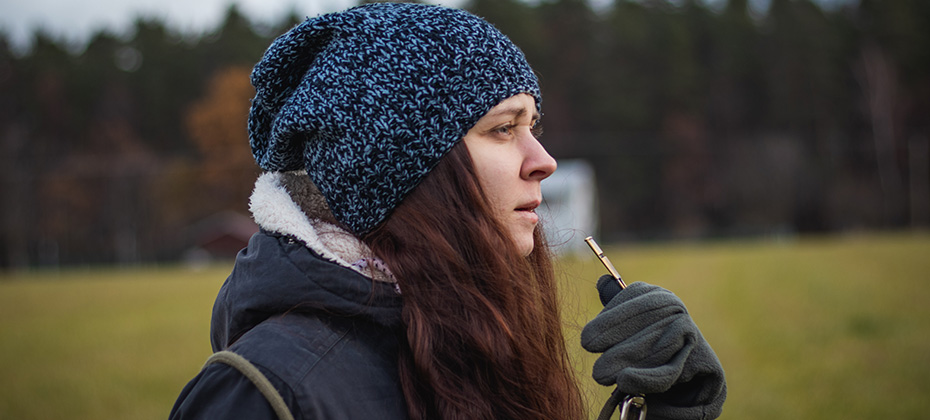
[816, 328]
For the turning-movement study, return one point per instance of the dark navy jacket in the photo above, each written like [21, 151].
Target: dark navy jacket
[325, 336]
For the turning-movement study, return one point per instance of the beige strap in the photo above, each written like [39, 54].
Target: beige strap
[261, 382]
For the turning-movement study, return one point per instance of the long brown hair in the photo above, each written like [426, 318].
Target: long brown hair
[484, 337]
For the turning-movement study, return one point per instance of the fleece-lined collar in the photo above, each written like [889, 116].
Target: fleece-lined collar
[288, 203]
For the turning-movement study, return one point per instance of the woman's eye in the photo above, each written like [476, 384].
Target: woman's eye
[504, 129]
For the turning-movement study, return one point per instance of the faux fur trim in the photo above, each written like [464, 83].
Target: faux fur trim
[274, 208]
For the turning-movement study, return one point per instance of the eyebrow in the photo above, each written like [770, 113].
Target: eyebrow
[515, 111]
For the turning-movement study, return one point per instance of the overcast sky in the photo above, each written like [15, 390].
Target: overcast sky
[76, 19]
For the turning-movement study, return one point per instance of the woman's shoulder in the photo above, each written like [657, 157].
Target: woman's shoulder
[221, 391]
[307, 339]
[323, 367]
[336, 367]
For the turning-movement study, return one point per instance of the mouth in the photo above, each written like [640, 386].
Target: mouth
[528, 207]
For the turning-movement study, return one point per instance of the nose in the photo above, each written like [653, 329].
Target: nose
[537, 163]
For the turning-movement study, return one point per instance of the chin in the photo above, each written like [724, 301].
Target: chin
[525, 246]
[523, 238]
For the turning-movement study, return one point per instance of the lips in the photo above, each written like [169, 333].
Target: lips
[530, 206]
[527, 213]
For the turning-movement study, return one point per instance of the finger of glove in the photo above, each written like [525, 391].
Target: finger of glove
[618, 323]
[606, 331]
[607, 288]
[658, 347]
[648, 380]
[650, 376]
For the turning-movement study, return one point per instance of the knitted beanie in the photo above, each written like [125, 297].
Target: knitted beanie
[368, 100]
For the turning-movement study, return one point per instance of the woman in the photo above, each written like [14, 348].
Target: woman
[400, 271]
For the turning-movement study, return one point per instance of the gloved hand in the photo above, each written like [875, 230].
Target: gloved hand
[651, 346]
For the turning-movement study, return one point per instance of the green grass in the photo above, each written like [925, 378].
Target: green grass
[102, 343]
[818, 328]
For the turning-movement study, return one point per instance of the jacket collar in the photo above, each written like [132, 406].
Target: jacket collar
[288, 203]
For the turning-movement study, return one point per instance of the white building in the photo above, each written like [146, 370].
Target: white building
[569, 209]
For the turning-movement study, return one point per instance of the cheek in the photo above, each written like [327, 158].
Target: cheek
[493, 179]
[501, 195]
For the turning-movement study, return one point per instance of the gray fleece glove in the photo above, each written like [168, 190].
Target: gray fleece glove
[651, 346]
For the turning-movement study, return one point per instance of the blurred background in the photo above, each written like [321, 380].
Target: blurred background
[700, 119]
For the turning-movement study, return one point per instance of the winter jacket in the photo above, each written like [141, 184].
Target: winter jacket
[308, 305]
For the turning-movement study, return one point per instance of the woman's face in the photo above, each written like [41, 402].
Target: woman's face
[510, 164]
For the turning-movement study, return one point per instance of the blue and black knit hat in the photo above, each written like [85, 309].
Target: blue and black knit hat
[368, 100]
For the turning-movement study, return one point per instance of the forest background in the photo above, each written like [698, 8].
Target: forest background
[700, 122]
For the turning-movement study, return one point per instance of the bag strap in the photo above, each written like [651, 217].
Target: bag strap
[610, 406]
[253, 374]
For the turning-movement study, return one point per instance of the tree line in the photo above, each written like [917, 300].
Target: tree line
[700, 121]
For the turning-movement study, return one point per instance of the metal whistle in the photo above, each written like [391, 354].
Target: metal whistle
[600, 255]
